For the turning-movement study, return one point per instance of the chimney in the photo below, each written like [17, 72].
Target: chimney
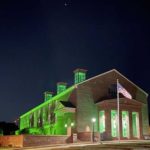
[48, 95]
[61, 86]
[79, 75]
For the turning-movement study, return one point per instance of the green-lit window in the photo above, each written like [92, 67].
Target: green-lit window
[46, 113]
[35, 119]
[125, 124]
[114, 123]
[135, 124]
[76, 78]
[43, 116]
[79, 77]
[31, 121]
[61, 88]
[102, 121]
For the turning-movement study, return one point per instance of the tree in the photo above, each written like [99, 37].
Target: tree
[1, 131]
[8, 128]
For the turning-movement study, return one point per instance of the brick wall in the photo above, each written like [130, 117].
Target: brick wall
[125, 105]
[32, 140]
[86, 110]
[12, 141]
[87, 136]
[145, 119]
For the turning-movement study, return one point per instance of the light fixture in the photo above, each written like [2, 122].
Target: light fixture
[93, 120]
[72, 124]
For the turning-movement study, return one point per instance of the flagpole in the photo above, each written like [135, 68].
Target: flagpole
[118, 112]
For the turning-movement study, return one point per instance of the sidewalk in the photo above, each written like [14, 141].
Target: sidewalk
[104, 144]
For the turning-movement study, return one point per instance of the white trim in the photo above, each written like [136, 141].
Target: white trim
[131, 82]
[121, 99]
[96, 76]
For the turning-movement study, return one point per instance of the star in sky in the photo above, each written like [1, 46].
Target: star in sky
[65, 4]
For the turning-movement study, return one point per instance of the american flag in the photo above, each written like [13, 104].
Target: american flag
[122, 90]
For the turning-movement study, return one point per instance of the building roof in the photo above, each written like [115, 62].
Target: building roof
[114, 70]
[63, 96]
[67, 104]
[99, 85]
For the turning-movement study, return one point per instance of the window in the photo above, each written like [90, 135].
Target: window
[79, 77]
[114, 123]
[31, 120]
[102, 121]
[135, 124]
[125, 124]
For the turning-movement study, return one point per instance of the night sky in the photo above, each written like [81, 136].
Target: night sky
[43, 41]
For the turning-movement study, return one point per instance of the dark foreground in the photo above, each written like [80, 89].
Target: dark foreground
[134, 145]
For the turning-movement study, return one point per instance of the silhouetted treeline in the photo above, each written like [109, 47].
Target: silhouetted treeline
[8, 128]
[149, 108]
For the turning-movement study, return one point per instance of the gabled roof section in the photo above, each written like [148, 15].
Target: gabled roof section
[100, 84]
[131, 82]
[67, 104]
[114, 70]
[64, 96]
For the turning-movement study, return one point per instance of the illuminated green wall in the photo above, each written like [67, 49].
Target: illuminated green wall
[48, 117]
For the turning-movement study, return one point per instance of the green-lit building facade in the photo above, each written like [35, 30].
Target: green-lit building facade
[71, 110]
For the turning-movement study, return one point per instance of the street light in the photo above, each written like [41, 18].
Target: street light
[72, 124]
[93, 121]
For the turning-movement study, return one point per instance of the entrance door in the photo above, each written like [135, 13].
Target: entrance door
[68, 130]
[135, 124]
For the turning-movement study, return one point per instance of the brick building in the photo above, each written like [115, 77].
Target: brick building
[72, 109]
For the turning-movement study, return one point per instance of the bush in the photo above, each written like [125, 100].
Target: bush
[24, 131]
[1, 131]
